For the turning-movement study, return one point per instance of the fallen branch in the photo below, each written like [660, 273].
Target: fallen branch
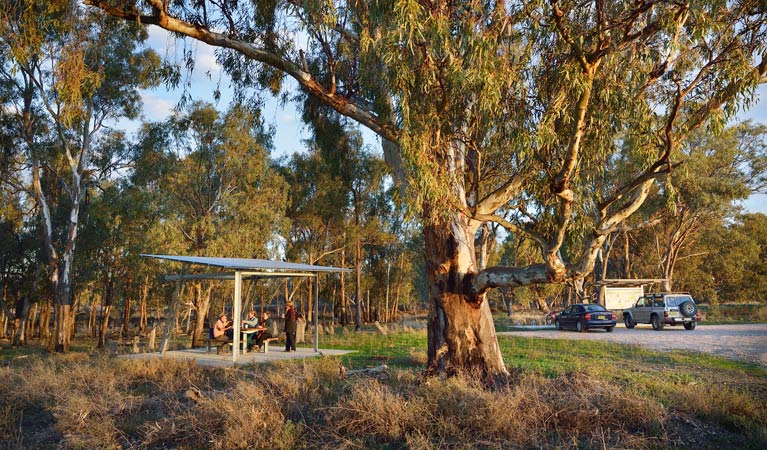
[343, 372]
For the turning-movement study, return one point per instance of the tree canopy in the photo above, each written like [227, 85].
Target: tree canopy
[511, 112]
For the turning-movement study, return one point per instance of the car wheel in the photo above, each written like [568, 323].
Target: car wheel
[689, 326]
[579, 327]
[628, 322]
[657, 325]
[688, 309]
[558, 324]
[609, 329]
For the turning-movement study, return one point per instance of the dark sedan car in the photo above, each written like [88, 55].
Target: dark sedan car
[583, 316]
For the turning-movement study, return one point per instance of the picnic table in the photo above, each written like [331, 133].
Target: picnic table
[244, 332]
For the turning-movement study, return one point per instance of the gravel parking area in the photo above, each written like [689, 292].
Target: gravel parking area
[745, 342]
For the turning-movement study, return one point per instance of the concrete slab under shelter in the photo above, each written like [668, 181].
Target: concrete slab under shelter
[203, 358]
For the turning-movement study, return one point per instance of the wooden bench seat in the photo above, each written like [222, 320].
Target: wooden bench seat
[210, 342]
[265, 344]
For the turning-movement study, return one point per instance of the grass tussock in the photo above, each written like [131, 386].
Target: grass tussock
[461, 413]
[240, 417]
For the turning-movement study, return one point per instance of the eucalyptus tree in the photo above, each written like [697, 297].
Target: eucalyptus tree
[336, 201]
[731, 262]
[72, 71]
[719, 170]
[335, 146]
[18, 253]
[218, 193]
[108, 260]
[490, 106]
[737, 263]
[315, 207]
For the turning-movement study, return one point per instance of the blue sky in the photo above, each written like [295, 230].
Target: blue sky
[289, 131]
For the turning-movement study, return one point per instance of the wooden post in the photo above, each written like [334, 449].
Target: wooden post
[170, 321]
[300, 330]
[135, 344]
[152, 336]
[316, 308]
[388, 282]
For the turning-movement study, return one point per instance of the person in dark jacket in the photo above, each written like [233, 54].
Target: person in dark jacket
[290, 327]
[264, 333]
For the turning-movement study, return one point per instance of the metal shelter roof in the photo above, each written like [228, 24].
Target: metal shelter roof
[249, 264]
[242, 268]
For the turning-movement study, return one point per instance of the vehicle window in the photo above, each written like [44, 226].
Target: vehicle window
[659, 302]
[594, 307]
[640, 303]
[567, 310]
[578, 309]
[677, 300]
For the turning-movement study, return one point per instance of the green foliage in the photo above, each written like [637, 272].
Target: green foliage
[66, 72]
[694, 205]
[214, 181]
[733, 266]
[585, 104]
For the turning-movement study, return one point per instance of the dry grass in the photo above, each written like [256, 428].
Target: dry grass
[460, 413]
[79, 401]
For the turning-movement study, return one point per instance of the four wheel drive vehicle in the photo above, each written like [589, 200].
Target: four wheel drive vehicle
[662, 309]
[583, 316]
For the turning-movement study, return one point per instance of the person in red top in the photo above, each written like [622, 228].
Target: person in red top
[290, 327]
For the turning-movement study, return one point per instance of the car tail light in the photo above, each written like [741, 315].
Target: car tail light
[612, 316]
[587, 316]
[697, 315]
[665, 313]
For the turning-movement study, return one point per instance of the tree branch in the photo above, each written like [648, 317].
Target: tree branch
[341, 104]
[512, 228]
[500, 196]
[496, 277]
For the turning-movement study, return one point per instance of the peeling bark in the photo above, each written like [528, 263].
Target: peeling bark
[461, 329]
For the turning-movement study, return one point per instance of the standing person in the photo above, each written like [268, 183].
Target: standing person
[290, 327]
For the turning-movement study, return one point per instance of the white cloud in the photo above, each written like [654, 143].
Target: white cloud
[156, 108]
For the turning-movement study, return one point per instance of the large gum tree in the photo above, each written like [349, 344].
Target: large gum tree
[551, 118]
[66, 74]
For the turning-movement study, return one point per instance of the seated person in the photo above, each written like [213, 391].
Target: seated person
[222, 330]
[264, 333]
[250, 322]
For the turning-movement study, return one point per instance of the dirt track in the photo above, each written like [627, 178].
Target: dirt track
[744, 342]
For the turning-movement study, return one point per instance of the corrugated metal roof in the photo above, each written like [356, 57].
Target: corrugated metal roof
[245, 264]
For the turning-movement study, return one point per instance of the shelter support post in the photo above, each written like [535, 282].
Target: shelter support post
[316, 311]
[170, 321]
[237, 315]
